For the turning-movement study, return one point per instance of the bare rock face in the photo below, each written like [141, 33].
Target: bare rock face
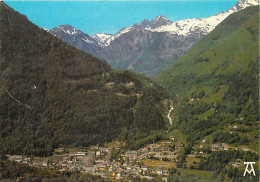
[146, 52]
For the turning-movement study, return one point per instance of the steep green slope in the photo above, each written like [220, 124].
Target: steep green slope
[52, 94]
[215, 84]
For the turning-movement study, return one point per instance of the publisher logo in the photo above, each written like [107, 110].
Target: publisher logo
[251, 168]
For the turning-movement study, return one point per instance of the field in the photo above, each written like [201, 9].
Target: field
[190, 161]
[157, 163]
[199, 173]
[114, 144]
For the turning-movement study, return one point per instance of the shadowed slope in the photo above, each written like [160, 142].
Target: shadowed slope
[72, 98]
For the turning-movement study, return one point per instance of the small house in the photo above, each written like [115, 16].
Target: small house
[166, 148]
[216, 147]
[159, 172]
[59, 150]
[131, 154]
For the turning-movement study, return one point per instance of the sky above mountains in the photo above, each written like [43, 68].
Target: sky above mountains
[110, 16]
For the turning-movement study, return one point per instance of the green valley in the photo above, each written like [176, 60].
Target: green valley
[215, 87]
[215, 84]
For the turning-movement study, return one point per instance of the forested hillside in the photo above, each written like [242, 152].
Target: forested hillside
[55, 95]
[215, 85]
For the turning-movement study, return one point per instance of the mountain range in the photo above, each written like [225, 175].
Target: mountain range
[147, 47]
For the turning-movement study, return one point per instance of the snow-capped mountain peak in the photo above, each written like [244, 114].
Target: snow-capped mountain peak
[162, 24]
[159, 21]
[68, 29]
[182, 27]
[246, 3]
[202, 25]
[102, 38]
[106, 39]
[74, 36]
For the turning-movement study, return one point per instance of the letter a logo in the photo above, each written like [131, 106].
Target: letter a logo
[252, 168]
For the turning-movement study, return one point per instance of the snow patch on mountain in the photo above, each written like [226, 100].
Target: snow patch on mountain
[68, 29]
[204, 25]
[159, 21]
[106, 39]
[102, 38]
[182, 28]
[74, 36]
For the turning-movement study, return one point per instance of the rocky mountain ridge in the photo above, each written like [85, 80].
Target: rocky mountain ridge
[148, 47]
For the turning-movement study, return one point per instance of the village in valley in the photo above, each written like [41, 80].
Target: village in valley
[110, 161]
[113, 160]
